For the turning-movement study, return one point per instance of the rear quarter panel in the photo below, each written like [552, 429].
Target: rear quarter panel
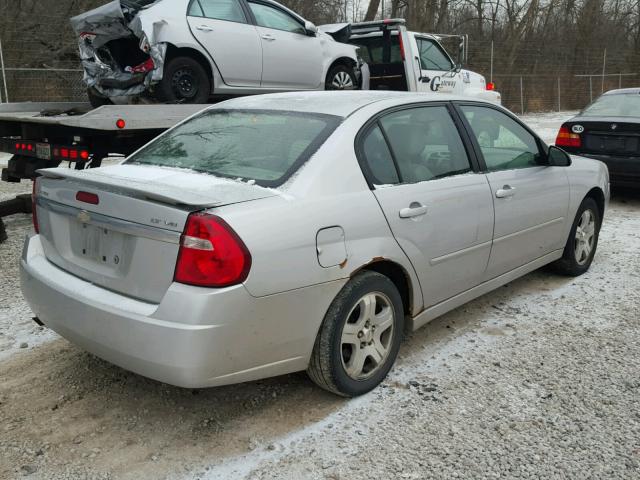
[329, 190]
[584, 175]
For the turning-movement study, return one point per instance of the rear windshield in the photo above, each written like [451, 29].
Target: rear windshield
[266, 147]
[616, 105]
[379, 49]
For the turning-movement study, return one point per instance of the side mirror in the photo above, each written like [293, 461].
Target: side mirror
[310, 28]
[558, 157]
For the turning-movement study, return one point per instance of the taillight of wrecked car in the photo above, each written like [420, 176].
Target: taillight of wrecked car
[145, 46]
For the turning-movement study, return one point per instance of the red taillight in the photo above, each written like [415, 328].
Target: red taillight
[566, 138]
[211, 253]
[84, 155]
[120, 123]
[34, 213]
[87, 197]
[64, 152]
[401, 46]
[491, 86]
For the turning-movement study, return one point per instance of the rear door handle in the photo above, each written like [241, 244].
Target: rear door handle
[204, 28]
[505, 192]
[414, 210]
[268, 37]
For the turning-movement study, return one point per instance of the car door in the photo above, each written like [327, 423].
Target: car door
[223, 29]
[436, 67]
[439, 210]
[291, 57]
[531, 198]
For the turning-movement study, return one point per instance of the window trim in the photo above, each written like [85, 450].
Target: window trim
[247, 18]
[300, 20]
[543, 148]
[476, 167]
[439, 47]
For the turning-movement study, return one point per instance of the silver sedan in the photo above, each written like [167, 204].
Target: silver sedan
[302, 231]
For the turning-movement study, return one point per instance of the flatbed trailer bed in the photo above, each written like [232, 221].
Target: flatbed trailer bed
[46, 135]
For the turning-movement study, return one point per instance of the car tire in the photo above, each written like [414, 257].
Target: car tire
[582, 242]
[360, 336]
[341, 77]
[96, 99]
[184, 80]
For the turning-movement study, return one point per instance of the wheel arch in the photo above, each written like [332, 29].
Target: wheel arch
[342, 60]
[597, 195]
[400, 278]
[173, 51]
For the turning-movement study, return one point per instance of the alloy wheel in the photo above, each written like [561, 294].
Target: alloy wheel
[585, 237]
[367, 336]
[342, 81]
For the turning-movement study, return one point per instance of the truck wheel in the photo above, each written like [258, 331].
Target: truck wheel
[360, 336]
[184, 81]
[582, 242]
[341, 77]
[96, 99]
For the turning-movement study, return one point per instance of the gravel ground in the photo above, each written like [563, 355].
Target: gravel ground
[538, 380]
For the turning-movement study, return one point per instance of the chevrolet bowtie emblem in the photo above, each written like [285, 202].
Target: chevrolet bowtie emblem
[84, 217]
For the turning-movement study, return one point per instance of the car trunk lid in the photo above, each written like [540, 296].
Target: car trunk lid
[119, 227]
[607, 135]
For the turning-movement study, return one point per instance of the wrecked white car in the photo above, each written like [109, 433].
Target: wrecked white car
[185, 51]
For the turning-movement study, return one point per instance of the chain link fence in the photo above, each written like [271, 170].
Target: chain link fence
[34, 70]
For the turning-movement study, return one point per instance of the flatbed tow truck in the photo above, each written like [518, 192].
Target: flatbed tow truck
[47, 135]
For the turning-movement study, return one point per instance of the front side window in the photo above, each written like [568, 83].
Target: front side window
[425, 144]
[270, 17]
[252, 145]
[229, 10]
[505, 144]
[432, 56]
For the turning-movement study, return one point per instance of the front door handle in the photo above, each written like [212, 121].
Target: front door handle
[505, 192]
[204, 28]
[268, 37]
[414, 210]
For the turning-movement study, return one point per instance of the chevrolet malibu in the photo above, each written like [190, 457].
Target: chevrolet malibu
[302, 231]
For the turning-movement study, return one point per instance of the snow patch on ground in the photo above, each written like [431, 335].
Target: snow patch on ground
[546, 125]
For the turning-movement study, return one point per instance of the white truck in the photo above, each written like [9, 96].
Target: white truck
[417, 62]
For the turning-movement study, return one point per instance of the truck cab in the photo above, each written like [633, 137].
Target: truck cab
[417, 62]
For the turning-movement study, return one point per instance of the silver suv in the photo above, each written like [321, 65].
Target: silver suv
[183, 51]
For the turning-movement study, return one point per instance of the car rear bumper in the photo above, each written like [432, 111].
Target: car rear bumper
[195, 337]
[623, 171]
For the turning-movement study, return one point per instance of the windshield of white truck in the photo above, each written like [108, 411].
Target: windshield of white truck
[261, 146]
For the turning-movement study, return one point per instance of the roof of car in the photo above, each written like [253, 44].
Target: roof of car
[624, 91]
[338, 103]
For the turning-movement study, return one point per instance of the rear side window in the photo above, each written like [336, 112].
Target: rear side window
[262, 146]
[270, 17]
[425, 143]
[229, 10]
[373, 51]
[378, 158]
[505, 144]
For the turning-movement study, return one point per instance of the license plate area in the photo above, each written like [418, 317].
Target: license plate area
[43, 151]
[97, 245]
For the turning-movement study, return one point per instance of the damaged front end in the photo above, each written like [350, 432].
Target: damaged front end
[119, 54]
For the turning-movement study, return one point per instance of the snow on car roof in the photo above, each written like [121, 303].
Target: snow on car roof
[338, 103]
[623, 91]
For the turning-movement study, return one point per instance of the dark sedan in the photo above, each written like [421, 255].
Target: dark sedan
[608, 130]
